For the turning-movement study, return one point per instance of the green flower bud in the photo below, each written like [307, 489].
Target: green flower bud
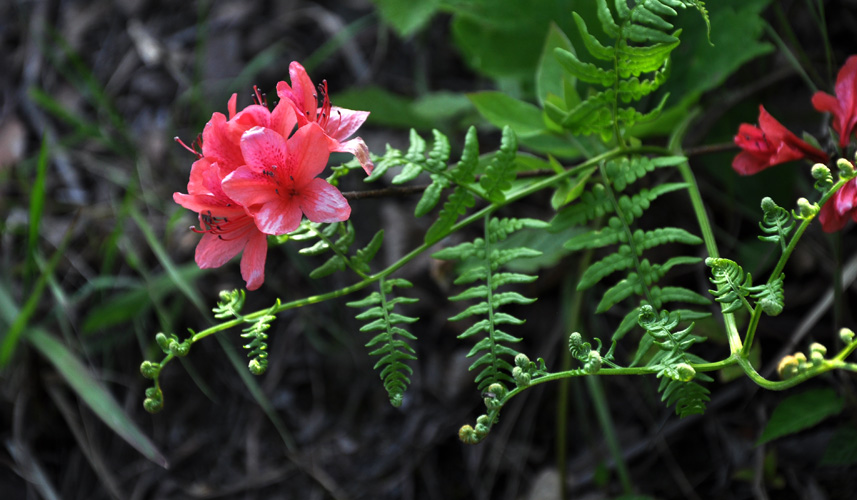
[522, 378]
[468, 435]
[788, 367]
[806, 210]
[685, 372]
[180, 349]
[768, 205]
[846, 168]
[153, 405]
[820, 171]
[498, 390]
[593, 364]
[522, 360]
[163, 342]
[259, 365]
[816, 347]
[150, 370]
[847, 335]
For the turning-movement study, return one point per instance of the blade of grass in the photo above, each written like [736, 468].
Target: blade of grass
[93, 393]
[180, 281]
[37, 205]
[13, 335]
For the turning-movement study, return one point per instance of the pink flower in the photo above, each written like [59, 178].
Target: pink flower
[844, 105]
[227, 228]
[769, 145]
[834, 214]
[221, 138]
[338, 123]
[278, 183]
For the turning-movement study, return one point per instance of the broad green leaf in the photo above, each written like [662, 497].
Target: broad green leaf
[93, 393]
[801, 411]
[501, 110]
[406, 16]
[549, 74]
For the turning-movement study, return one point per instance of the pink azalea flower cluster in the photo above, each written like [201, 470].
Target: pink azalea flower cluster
[771, 143]
[257, 172]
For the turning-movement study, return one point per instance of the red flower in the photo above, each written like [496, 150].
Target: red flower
[338, 123]
[769, 145]
[227, 228]
[844, 105]
[834, 214]
[221, 138]
[278, 183]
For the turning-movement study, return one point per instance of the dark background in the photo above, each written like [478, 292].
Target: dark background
[115, 81]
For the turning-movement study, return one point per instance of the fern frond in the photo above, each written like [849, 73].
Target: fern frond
[673, 363]
[776, 223]
[461, 199]
[733, 285]
[500, 172]
[391, 341]
[486, 257]
[770, 296]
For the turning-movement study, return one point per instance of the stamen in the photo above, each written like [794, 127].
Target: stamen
[197, 144]
[259, 97]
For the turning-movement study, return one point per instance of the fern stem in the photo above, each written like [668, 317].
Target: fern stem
[338, 252]
[635, 253]
[751, 330]
[716, 365]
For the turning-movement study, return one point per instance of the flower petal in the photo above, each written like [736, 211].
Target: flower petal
[279, 216]
[220, 144]
[301, 93]
[214, 251]
[322, 202]
[283, 119]
[748, 164]
[344, 122]
[309, 150]
[253, 260]
[359, 149]
[249, 188]
[263, 149]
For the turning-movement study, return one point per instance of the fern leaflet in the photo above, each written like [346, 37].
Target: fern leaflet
[486, 256]
[391, 341]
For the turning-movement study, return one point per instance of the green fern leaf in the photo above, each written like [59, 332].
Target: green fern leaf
[394, 352]
[500, 172]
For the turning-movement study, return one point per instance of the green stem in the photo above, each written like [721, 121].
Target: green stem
[751, 331]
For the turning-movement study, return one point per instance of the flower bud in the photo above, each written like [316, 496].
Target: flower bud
[816, 347]
[847, 335]
[498, 390]
[180, 349]
[820, 171]
[150, 370]
[522, 378]
[685, 372]
[788, 367]
[768, 205]
[593, 364]
[846, 168]
[806, 209]
[163, 341]
[153, 405]
[258, 366]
